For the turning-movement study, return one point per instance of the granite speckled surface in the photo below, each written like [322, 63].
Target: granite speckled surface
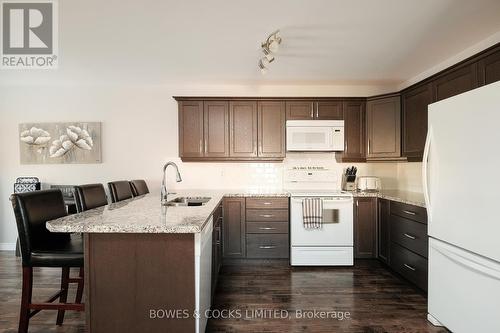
[411, 198]
[145, 214]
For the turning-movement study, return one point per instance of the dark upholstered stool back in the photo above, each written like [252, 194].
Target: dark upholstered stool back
[139, 187]
[90, 196]
[120, 190]
[32, 210]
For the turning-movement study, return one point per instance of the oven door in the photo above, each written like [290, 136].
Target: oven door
[337, 229]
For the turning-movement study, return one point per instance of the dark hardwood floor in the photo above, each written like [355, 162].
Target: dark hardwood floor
[377, 300]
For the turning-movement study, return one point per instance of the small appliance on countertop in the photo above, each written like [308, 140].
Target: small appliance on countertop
[368, 184]
[349, 179]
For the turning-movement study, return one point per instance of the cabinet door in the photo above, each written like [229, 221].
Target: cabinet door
[234, 228]
[414, 118]
[299, 110]
[365, 228]
[455, 82]
[243, 129]
[191, 129]
[271, 125]
[216, 123]
[383, 120]
[329, 110]
[383, 230]
[489, 68]
[354, 129]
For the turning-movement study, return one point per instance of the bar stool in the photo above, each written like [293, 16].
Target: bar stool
[120, 190]
[90, 196]
[139, 187]
[41, 248]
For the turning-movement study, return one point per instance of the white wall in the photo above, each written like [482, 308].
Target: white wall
[139, 134]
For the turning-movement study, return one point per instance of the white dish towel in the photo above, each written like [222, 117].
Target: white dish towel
[312, 212]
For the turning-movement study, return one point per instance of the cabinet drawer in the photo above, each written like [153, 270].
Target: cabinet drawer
[267, 246]
[410, 234]
[267, 215]
[267, 203]
[267, 227]
[411, 212]
[410, 265]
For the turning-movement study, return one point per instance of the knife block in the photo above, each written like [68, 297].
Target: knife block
[348, 182]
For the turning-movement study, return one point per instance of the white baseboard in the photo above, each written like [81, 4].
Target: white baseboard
[7, 246]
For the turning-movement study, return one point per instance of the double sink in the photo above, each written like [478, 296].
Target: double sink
[188, 201]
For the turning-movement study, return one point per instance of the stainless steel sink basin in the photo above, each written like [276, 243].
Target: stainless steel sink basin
[188, 201]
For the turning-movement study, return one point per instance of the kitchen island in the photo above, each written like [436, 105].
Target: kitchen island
[147, 266]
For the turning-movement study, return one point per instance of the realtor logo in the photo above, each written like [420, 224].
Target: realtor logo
[29, 34]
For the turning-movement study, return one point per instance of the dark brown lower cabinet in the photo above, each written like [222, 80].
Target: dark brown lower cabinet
[267, 224]
[216, 246]
[234, 228]
[384, 231]
[409, 242]
[256, 228]
[365, 227]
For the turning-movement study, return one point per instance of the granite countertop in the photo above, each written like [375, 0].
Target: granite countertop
[412, 198]
[145, 214]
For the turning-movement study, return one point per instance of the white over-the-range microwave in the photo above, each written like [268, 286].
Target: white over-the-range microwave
[315, 135]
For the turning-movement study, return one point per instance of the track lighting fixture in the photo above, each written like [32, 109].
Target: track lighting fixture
[269, 47]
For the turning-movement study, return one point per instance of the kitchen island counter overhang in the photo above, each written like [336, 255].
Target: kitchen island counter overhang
[147, 266]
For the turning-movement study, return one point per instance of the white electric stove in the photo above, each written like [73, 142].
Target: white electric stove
[332, 244]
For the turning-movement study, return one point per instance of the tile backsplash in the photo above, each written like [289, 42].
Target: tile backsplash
[268, 177]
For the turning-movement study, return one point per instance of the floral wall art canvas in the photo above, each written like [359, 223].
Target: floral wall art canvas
[60, 143]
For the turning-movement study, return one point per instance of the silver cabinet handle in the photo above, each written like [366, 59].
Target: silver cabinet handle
[409, 212]
[267, 228]
[410, 236]
[201, 146]
[317, 110]
[369, 146]
[411, 268]
[266, 215]
[268, 203]
[312, 110]
[266, 247]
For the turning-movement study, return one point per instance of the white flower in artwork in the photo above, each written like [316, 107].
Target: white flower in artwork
[35, 136]
[80, 137]
[60, 146]
[74, 137]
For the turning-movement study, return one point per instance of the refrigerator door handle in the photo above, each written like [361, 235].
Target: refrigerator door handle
[469, 261]
[425, 172]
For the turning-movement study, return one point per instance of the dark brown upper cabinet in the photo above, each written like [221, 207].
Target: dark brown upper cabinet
[354, 131]
[243, 128]
[365, 228]
[329, 110]
[191, 129]
[414, 120]
[310, 110]
[456, 81]
[271, 129]
[299, 110]
[216, 124]
[383, 128]
[489, 68]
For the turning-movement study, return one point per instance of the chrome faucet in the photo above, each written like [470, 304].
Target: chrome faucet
[164, 192]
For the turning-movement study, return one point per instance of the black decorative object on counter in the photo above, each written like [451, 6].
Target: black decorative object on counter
[26, 184]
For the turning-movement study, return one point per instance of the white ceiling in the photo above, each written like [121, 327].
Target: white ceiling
[217, 41]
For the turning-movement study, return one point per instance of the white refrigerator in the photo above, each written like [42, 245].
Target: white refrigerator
[461, 178]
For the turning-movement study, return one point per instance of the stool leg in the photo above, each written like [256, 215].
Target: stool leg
[64, 294]
[79, 290]
[24, 316]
